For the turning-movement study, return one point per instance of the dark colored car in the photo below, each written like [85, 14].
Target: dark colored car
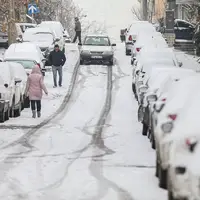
[3, 40]
[184, 31]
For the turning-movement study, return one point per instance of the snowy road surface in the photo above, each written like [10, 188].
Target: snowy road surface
[91, 150]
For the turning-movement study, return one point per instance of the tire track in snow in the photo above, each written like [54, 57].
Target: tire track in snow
[24, 138]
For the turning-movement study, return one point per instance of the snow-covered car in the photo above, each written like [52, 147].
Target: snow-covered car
[149, 58]
[178, 98]
[44, 38]
[18, 72]
[97, 48]
[10, 91]
[56, 27]
[151, 40]
[158, 77]
[28, 54]
[67, 36]
[133, 31]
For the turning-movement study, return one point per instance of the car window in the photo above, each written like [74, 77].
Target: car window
[27, 64]
[183, 25]
[97, 41]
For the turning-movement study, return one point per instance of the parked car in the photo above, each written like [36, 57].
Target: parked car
[3, 40]
[97, 48]
[177, 98]
[184, 31]
[56, 27]
[133, 31]
[10, 93]
[44, 38]
[28, 54]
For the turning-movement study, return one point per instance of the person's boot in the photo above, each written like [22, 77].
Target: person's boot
[34, 114]
[39, 113]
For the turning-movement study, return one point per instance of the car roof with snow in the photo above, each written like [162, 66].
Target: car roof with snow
[38, 29]
[97, 35]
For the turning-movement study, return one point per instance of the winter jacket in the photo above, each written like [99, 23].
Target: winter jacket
[77, 26]
[57, 58]
[35, 84]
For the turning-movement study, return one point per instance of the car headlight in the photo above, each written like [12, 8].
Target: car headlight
[85, 52]
[108, 52]
[167, 127]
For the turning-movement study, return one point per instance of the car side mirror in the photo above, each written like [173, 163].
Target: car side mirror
[113, 45]
[6, 85]
[180, 64]
[138, 72]
[158, 106]
[64, 35]
[18, 80]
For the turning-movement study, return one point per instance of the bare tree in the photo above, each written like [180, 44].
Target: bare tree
[137, 13]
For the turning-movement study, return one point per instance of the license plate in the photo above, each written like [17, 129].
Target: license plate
[96, 56]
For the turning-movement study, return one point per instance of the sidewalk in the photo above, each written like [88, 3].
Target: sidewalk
[51, 102]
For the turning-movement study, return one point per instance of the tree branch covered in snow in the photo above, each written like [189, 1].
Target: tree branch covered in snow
[137, 13]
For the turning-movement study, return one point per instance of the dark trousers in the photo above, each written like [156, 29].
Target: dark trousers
[78, 35]
[36, 104]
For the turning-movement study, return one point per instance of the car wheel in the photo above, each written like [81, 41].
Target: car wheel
[2, 117]
[144, 129]
[153, 144]
[157, 166]
[7, 115]
[131, 62]
[162, 174]
[133, 88]
[111, 62]
[81, 62]
[17, 112]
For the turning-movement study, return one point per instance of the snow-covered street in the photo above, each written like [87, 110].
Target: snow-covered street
[91, 148]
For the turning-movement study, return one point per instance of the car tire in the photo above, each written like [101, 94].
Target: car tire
[144, 129]
[17, 112]
[81, 62]
[157, 166]
[153, 143]
[162, 174]
[7, 115]
[133, 88]
[127, 53]
[132, 62]
[2, 117]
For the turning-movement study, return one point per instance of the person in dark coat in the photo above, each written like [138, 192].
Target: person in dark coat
[57, 59]
[77, 30]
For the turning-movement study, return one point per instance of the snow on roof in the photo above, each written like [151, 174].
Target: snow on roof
[38, 29]
[97, 35]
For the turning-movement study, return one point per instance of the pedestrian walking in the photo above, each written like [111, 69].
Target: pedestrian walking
[34, 88]
[57, 59]
[77, 30]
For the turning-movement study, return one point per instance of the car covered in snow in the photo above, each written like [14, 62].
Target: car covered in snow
[27, 54]
[12, 90]
[97, 48]
[176, 99]
[44, 38]
[133, 31]
[158, 78]
[154, 39]
[147, 59]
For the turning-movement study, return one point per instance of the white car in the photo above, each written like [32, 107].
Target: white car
[134, 30]
[151, 40]
[177, 98]
[10, 91]
[44, 38]
[21, 28]
[28, 54]
[56, 27]
[97, 48]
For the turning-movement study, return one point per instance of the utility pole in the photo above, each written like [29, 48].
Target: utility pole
[11, 22]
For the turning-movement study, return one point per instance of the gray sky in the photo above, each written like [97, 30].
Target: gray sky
[116, 13]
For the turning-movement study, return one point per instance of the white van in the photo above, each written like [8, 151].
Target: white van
[56, 27]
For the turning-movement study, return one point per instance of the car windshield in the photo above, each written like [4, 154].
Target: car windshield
[97, 41]
[38, 37]
[27, 64]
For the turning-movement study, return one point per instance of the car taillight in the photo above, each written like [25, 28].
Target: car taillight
[191, 143]
[164, 99]
[130, 38]
[138, 49]
[172, 117]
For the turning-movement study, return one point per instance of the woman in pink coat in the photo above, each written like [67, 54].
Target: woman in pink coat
[34, 88]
